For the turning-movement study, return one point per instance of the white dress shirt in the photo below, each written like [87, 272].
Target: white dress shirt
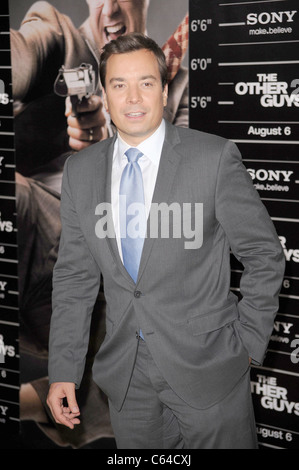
[149, 164]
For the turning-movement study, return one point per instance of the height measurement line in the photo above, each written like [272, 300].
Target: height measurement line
[279, 200]
[276, 62]
[282, 219]
[250, 3]
[279, 371]
[16, 387]
[242, 23]
[248, 141]
[258, 122]
[257, 42]
[271, 446]
[270, 161]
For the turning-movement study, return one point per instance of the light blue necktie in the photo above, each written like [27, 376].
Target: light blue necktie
[132, 213]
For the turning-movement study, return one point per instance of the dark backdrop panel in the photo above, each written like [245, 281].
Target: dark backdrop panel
[244, 86]
[9, 313]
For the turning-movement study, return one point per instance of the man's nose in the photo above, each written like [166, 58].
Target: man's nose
[110, 7]
[134, 95]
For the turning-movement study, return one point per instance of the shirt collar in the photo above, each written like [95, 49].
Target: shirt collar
[150, 147]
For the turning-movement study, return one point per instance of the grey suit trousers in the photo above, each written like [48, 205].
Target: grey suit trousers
[154, 417]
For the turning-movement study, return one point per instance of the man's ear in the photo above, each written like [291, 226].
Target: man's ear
[105, 102]
[165, 95]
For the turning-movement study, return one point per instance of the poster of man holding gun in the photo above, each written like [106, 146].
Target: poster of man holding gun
[58, 111]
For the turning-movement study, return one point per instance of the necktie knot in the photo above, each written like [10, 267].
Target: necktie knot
[133, 155]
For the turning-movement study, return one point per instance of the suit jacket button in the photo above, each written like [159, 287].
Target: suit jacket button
[137, 294]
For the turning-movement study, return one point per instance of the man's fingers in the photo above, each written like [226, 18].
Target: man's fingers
[70, 417]
[90, 104]
[66, 415]
[69, 413]
[87, 120]
[66, 421]
[68, 107]
[58, 415]
[86, 106]
[70, 396]
[87, 135]
[79, 140]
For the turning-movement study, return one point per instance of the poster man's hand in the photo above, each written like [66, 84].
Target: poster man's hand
[89, 126]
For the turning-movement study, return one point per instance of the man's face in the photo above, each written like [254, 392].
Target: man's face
[110, 19]
[133, 94]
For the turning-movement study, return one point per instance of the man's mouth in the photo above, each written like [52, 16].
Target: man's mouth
[113, 32]
[135, 115]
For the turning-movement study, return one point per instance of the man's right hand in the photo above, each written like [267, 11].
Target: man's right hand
[66, 415]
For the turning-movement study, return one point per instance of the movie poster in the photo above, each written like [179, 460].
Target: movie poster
[51, 41]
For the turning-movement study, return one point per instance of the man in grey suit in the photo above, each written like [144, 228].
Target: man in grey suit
[175, 359]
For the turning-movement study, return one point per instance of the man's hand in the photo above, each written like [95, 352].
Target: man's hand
[66, 415]
[89, 126]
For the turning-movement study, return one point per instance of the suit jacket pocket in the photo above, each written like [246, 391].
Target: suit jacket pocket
[212, 321]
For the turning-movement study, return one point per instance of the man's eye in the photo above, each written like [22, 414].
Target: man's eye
[147, 84]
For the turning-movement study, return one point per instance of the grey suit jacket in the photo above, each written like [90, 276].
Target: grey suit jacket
[198, 333]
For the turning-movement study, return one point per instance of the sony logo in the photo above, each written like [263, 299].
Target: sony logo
[3, 410]
[2, 285]
[270, 175]
[273, 17]
[285, 327]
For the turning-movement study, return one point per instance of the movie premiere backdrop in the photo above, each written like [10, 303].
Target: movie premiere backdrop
[242, 68]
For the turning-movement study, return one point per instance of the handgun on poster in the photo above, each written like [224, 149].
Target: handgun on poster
[77, 83]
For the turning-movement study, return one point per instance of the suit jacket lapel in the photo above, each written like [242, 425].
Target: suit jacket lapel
[167, 169]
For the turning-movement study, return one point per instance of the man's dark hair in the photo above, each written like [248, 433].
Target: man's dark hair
[130, 43]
